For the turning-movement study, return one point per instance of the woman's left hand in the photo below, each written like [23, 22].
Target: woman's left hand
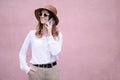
[49, 28]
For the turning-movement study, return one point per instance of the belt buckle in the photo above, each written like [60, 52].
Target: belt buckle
[45, 65]
[50, 65]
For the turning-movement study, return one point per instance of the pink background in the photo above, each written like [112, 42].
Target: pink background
[91, 47]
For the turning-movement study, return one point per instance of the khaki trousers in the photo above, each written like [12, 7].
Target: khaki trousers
[44, 73]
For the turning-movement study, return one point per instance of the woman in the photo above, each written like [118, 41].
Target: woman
[46, 43]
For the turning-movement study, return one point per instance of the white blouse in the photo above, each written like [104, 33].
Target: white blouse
[44, 50]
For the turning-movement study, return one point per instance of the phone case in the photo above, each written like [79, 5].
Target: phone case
[51, 21]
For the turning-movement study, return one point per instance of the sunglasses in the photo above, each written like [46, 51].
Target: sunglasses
[43, 14]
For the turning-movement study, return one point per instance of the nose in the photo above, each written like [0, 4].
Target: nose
[42, 15]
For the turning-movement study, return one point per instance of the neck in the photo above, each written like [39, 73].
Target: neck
[44, 31]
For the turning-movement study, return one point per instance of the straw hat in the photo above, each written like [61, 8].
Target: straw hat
[50, 8]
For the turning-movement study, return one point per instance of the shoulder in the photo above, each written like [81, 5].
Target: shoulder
[31, 32]
[60, 35]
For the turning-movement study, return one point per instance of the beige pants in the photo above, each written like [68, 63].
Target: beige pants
[45, 73]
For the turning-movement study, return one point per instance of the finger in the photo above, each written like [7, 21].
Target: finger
[33, 70]
[47, 24]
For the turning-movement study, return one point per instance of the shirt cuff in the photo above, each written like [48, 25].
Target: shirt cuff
[27, 69]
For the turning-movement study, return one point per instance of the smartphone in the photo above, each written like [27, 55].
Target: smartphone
[51, 21]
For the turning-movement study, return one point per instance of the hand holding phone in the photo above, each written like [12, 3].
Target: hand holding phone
[49, 25]
[51, 21]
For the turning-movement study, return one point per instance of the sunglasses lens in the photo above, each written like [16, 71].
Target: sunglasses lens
[40, 14]
[43, 14]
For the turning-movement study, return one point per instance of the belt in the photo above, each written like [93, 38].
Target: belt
[49, 65]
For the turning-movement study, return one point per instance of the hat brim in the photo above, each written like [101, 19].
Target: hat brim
[37, 16]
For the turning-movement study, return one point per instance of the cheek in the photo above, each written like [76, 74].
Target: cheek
[47, 19]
